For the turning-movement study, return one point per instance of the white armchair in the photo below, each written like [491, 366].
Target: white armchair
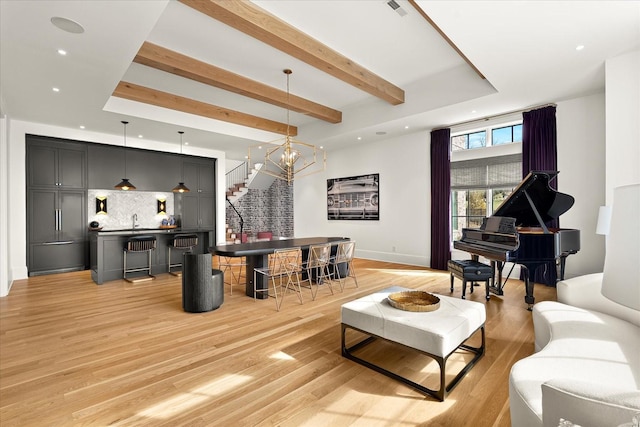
[586, 368]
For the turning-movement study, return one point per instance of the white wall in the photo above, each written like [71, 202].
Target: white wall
[581, 162]
[402, 233]
[622, 80]
[13, 192]
[403, 164]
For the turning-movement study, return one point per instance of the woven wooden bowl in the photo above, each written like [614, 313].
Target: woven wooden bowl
[414, 301]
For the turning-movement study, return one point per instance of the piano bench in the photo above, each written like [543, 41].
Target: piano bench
[469, 270]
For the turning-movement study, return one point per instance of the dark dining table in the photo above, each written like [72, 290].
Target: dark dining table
[257, 255]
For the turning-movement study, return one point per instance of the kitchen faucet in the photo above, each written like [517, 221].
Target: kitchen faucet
[135, 220]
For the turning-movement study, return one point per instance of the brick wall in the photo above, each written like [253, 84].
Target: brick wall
[265, 210]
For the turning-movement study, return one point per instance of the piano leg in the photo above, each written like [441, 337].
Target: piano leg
[528, 285]
[563, 261]
[496, 287]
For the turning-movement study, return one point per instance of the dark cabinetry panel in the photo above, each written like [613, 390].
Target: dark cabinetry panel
[57, 230]
[147, 170]
[56, 205]
[58, 257]
[151, 171]
[56, 165]
[106, 166]
[198, 206]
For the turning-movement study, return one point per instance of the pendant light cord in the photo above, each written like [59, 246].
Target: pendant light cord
[125, 147]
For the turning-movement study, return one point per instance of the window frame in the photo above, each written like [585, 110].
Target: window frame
[489, 151]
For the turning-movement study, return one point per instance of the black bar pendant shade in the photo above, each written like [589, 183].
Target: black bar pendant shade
[125, 184]
[181, 188]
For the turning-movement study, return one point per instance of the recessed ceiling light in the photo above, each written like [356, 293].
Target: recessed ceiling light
[67, 25]
[580, 47]
[81, 126]
[140, 136]
[406, 127]
[55, 89]
[359, 138]
[62, 52]
[186, 143]
[473, 111]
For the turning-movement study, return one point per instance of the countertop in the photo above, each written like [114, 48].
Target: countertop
[134, 231]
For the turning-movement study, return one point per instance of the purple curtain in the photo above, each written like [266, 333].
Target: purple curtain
[539, 153]
[440, 198]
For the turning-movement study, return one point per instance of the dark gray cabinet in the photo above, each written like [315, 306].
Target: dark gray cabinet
[198, 206]
[147, 170]
[56, 205]
[57, 224]
[106, 166]
[51, 165]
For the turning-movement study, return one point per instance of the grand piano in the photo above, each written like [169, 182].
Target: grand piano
[518, 233]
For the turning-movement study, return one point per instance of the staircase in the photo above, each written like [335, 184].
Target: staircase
[240, 180]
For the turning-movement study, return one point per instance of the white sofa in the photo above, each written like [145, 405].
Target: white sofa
[586, 365]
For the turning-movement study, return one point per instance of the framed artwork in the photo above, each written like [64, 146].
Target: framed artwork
[354, 198]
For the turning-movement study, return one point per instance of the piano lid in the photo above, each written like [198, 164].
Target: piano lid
[533, 202]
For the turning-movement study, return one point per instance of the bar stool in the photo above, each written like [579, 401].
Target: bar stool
[139, 244]
[182, 242]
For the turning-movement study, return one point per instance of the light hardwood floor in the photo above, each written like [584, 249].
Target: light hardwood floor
[73, 353]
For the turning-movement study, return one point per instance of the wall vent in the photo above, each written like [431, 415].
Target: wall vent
[395, 6]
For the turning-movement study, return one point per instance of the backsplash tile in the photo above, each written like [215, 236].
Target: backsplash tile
[122, 205]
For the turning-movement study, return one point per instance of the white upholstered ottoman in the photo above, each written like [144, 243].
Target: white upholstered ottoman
[436, 333]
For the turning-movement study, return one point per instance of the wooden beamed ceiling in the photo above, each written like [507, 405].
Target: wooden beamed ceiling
[259, 24]
[158, 98]
[173, 62]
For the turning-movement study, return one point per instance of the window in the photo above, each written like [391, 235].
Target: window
[469, 141]
[506, 135]
[482, 178]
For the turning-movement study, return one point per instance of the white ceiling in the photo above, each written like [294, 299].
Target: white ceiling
[525, 49]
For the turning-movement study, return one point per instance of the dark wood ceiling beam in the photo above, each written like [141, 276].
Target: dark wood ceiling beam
[261, 25]
[158, 98]
[176, 63]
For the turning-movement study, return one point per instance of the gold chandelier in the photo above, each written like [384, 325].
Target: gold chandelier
[289, 158]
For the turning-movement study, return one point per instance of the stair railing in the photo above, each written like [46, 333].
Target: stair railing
[237, 175]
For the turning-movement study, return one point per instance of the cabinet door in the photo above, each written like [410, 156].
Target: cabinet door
[42, 166]
[153, 171]
[106, 166]
[71, 169]
[43, 216]
[190, 212]
[72, 210]
[44, 259]
[205, 178]
[191, 178]
[206, 212]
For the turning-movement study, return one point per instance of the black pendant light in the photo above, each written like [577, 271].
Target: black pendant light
[181, 188]
[125, 184]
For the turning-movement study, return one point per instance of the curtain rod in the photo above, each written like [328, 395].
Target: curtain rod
[487, 118]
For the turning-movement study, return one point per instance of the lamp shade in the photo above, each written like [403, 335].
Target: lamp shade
[604, 220]
[621, 276]
[180, 188]
[125, 185]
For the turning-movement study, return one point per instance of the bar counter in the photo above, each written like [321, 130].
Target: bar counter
[106, 248]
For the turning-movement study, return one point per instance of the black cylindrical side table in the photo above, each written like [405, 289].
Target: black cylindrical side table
[202, 286]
